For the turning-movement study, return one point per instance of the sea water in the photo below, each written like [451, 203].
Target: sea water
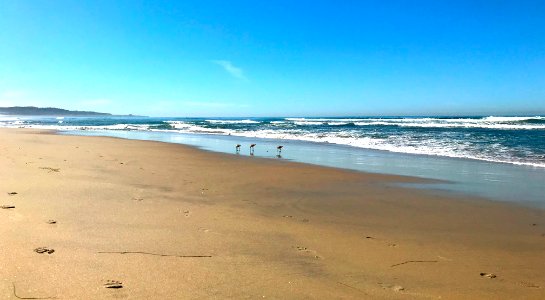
[501, 158]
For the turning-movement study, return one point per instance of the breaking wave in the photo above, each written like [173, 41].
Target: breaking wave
[514, 140]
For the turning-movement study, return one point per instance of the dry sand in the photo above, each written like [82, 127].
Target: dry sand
[130, 214]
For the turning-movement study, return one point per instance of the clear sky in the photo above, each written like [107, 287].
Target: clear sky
[275, 58]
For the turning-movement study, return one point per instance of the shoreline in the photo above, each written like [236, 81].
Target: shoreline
[455, 158]
[401, 178]
[275, 127]
[272, 228]
[411, 182]
[521, 185]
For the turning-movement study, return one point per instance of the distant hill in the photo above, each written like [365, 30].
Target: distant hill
[46, 111]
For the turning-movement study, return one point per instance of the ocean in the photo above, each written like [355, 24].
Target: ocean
[502, 158]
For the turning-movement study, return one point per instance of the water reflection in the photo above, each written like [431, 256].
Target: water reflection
[521, 184]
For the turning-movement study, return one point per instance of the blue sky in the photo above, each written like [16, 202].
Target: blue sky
[275, 58]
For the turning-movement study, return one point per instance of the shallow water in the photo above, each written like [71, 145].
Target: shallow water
[524, 185]
[513, 140]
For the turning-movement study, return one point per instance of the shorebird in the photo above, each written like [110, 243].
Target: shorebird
[252, 148]
[279, 149]
[237, 148]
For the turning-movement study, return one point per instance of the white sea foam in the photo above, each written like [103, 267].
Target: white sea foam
[119, 127]
[396, 144]
[185, 127]
[8, 118]
[337, 123]
[233, 121]
[403, 142]
[492, 122]
[455, 125]
[514, 123]
[303, 123]
[323, 120]
[10, 121]
[511, 119]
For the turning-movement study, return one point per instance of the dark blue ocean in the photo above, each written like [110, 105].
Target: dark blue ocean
[497, 157]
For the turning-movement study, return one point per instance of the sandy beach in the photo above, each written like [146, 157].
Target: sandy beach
[120, 219]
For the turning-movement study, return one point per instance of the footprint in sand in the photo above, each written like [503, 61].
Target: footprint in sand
[138, 199]
[12, 193]
[113, 284]
[308, 251]
[488, 275]
[529, 285]
[390, 244]
[7, 206]
[49, 169]
[42, 250]
[395, 288]
[51, 222]
[186, 213]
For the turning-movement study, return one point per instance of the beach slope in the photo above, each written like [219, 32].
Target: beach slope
[96, 217]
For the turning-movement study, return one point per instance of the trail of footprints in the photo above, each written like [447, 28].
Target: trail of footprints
[114, 284]
[109, 284]
[398, 288]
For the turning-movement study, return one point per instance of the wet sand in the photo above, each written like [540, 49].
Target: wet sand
[96, 217]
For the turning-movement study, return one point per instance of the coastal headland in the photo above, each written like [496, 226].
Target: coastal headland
[98, 217]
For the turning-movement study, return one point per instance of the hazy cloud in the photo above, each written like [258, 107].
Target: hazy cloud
[230, 68]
